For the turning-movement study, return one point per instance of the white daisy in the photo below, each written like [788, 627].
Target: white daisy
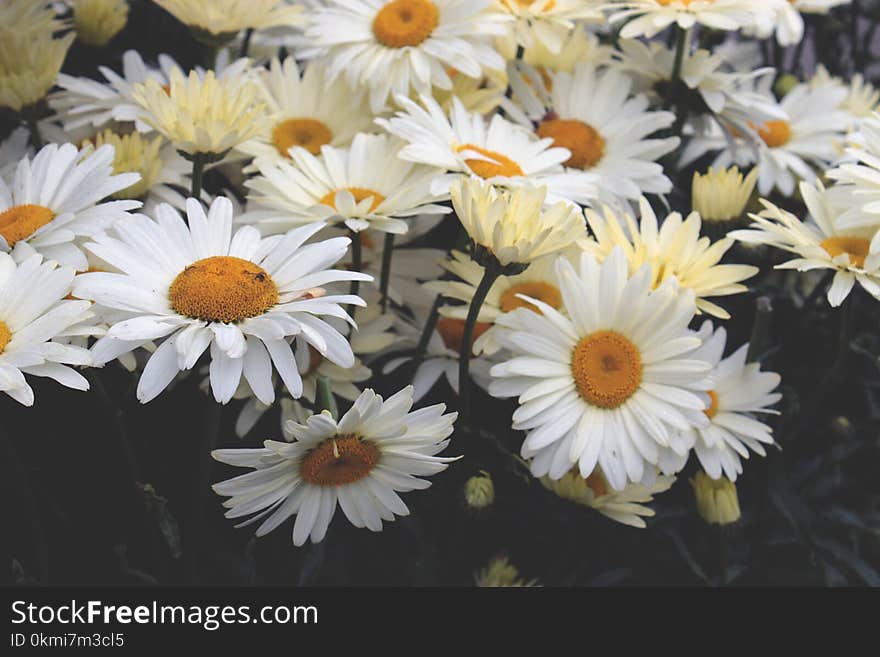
[648, 17]
[307, 111]
[363, 186]
[545, 22]
[853, 253]
[784, 18]
[35, 317]
[858, 190]
[56, 197]
[200, 286]
[499, 151]
[399, 46]
[609, 383]
[362, 461]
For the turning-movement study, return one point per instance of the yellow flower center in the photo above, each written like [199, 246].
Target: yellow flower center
[857, 248]
[223, 289]
[713, 404]
[666, 3]
[596, 483]
[584, 142]
[452, 331]
[21, 221]
[607, 369]
[402, 23]
[359, 194]
[311, 134]
[775, 133]
[5, 336]
[539, 290]
[339, 461]
[528, 3]
[500, 166]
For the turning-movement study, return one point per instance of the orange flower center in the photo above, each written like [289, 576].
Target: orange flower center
[596, 483]
[607, 369]
[584, 142]
[222, 289]
[5, 336]
[857, 248]
[539, 290]
[311, 134]
[775, 133]
[402, 23]
[359, 194]
[528, 3]
[21, 221]
[666, 3]
[452, 331]
[339, 461]
[500, 165]
[713, 404]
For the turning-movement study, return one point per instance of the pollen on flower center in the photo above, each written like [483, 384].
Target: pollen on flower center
[501, 165]
[402, 23]
[311, 134]
[338, 461]
[5, 336]
[775, 133]
[21, 221]
[223, 289]
[857, 248]
[666, 3]
[607, 368]
[713, 404]
[452, 331]
[539, 290]
[528, 3]
[583, 140]
[359, 194]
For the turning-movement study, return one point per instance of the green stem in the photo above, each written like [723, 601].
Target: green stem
[35, 139]
[324, 399]
[427, 331]
[490, 275]
[210, 437]
[198, 172]
[357, 263]
[246, 43]
[680, 44]
[385, 276]
[763, 310]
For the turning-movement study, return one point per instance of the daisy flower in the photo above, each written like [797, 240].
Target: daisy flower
[378, 449]
[499, 151]
[399, 46]
[674, 249]
[594, 115]
[55, 197]
[197, 285]
[29, 63]
[577, 47]
[852, 253]
[224, 18]
[98, 21]
[307, 111]
[203, 114]
[720, 196]
[501, 573]
[610, 382]
[35, 312]
[29, 17]
[862, 99]
[740, 390]
[784, 18]
[857, 192]
[625, 506]
[545, 22]
[717, 501]
[648, 17]
[363, 186]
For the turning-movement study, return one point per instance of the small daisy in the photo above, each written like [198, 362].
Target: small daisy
[501, 573]
[740, 390]
[398, 46]
[363, 186]
[56, 197]
[626, 506]
[674, 249]
[29, 17]
[35, 316]
[784, 18]
[29, 63]
[858, 190]
[611, 382]
[224, 18]
[362, 461]
[720, 196]
[97, 21]
[648, 17]
[852, 253]
[307, 111]
[545, 22]
[579, 46]
[862, 99]
[197, 285]
[499, 151]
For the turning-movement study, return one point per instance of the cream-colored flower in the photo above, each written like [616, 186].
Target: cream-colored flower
[545, 22]
[578, 47]
[510, 224]
[721, 195]
[98, 21]
[717, 501]
[673, 250]
[29, 64]
[500, 572]
[479, 491]
[226, 17]
[29, 17]
[203, 114]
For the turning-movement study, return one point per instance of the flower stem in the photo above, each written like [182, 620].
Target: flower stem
[213, 415]
[35, 139]
[357, 263]
[425, 338]
[763, 310]
[490, 275]
[198, 171]
[246, 43]
[324, 399]
[385, 276]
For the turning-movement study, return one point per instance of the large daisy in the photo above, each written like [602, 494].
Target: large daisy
[56, 196]
[363, 186]
[498, 151]
[197, 285]
[399, 46]
[378, 449]
[609, 383]
[35, 317]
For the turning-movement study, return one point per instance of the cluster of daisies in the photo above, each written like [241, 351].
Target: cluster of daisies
[548, 133]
